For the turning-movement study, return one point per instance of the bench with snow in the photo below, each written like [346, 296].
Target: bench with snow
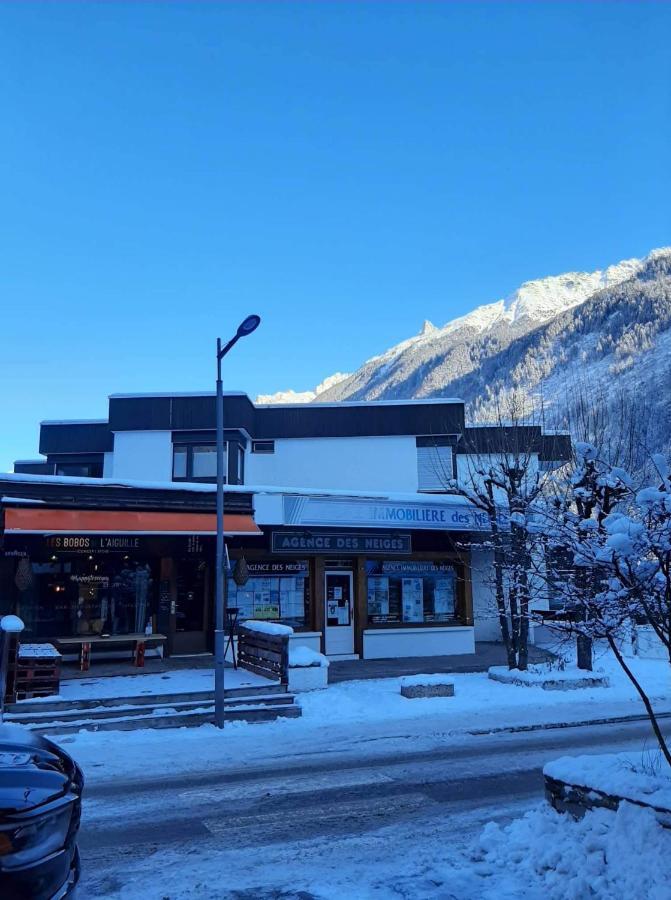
[418, 686]
[83, 645]
[569, 679]
[308, 670]
[263, 648]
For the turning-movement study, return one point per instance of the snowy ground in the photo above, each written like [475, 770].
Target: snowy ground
[349, 712]
[368, 795]
[402, 818]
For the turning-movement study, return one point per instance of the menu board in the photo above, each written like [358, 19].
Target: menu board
[378, 596]
[413, 599]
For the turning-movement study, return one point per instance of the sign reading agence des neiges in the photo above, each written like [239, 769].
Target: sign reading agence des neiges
[324, 542]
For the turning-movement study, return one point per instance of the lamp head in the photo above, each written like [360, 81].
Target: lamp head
[251, 323]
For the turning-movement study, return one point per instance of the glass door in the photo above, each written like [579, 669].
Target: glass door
[338, 614]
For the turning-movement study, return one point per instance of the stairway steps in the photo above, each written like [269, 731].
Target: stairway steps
[254, 712]
[105, 712]
[30, 706]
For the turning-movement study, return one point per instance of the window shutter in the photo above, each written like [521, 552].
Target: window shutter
[434, 468]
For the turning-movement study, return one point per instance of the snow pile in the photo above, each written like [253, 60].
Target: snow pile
[268, 627]
[604, 855]
[38, 651]
[304, 656]
[646, 779]
[419, 680]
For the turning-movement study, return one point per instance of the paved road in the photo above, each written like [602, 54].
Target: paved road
[462, 784]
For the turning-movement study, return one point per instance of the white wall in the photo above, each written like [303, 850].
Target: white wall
[143, 455]
[386, 643]
[360, 463]
[485, 614]
[108, 465]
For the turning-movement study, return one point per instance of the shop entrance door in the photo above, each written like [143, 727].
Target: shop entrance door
[191, 607]
[338, 614]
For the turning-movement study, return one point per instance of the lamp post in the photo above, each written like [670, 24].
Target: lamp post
[250, 324]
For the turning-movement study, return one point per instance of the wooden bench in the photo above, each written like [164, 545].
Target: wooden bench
[84, 644]
[264, 654]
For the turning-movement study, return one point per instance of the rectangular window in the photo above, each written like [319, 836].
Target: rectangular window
[263, 446]
[74, 470]
[434, 468]
[276, 591]
[179, 456]
[204, 461]
[411, 592]
[197, 462]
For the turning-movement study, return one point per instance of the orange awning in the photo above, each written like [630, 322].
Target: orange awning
[100, 521]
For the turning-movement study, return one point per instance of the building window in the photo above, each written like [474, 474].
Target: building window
[179, 462]
[276, 591]
[204, 461]
[79, 469]
[263, 446]
[411, 592]
[197, 462]
[87, 595]
[434, 467]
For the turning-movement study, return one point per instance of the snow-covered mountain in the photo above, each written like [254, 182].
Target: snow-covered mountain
[426, 364]
[292, 396]
[606, 334]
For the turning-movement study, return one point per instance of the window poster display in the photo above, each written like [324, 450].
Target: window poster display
[444, 595]
[413, 600]
[378, 596]
[275, 591]
[412, 591]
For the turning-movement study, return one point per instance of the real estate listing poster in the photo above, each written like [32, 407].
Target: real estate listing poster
[378, 596]
[444, 597]
[413, 600]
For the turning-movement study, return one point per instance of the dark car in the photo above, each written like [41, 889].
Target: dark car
[40, 808]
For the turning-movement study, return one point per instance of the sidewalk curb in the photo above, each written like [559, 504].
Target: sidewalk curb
[548, 726]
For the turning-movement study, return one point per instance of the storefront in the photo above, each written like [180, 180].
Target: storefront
[80, 572]
[361, 593]
[377, 579]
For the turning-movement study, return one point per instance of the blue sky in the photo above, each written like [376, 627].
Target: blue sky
[343, 169]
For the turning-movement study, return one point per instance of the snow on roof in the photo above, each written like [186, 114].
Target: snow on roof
[73, 422]
[409, 402]
[431, 401]
[392, 496]
[175, 394]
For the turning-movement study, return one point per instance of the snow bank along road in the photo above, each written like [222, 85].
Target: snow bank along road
[317, 819]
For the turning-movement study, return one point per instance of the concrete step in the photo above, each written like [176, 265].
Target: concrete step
[77, 713]
[254, 712]
[31, 706]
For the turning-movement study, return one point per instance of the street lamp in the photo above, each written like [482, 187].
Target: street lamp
[250, 324]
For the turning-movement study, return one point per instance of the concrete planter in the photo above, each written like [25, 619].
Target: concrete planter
[550, 681]
[418, 691]
[307, 678]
